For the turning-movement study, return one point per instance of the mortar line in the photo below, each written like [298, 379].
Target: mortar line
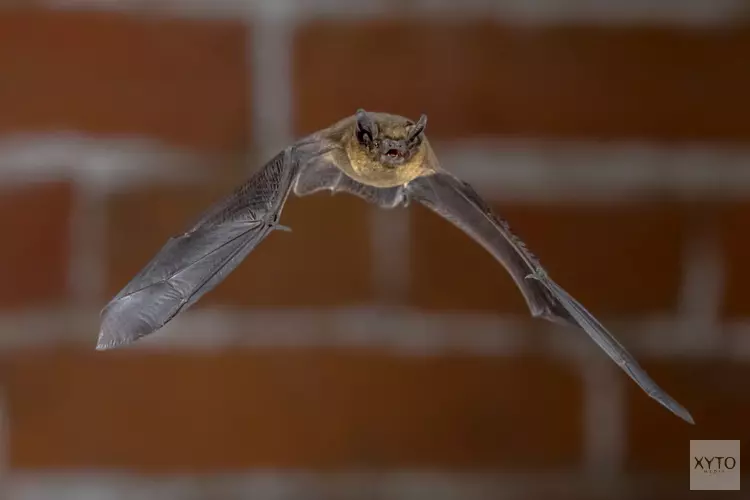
[87, 262]
[702, 284]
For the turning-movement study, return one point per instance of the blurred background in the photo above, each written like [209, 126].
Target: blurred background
[374, 354]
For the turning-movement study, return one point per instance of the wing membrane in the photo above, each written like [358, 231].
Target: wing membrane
[192, 264]
[457, 202]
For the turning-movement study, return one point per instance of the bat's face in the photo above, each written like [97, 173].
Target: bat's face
[389, 140]
[387, 150]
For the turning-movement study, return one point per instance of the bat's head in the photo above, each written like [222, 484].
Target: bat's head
[389, 140]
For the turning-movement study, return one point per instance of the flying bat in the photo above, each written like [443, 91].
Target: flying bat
[382, 158]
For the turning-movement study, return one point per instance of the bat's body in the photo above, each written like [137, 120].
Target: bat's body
[384, 159]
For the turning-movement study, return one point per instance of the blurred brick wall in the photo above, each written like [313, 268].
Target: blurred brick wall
[533, 408]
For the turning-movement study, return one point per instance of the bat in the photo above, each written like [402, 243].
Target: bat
[382, 158]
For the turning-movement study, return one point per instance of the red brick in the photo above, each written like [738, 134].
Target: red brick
[735, 242]
[324, 261]
[616, 259]
[481, 77]
[182, 80]
[34, 255]
[715, 392]
[319, 409]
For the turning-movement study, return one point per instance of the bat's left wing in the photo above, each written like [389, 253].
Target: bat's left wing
[457, 202]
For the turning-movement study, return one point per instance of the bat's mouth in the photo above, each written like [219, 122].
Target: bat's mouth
[392, 159]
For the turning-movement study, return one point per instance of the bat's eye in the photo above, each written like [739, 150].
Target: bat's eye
[392, 153]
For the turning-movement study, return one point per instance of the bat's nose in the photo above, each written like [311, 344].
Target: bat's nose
[393, 147]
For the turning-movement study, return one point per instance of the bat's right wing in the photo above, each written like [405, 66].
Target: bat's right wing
[193, 263]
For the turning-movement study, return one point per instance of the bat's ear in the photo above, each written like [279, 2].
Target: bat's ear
[366, 127]
[418, 127]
